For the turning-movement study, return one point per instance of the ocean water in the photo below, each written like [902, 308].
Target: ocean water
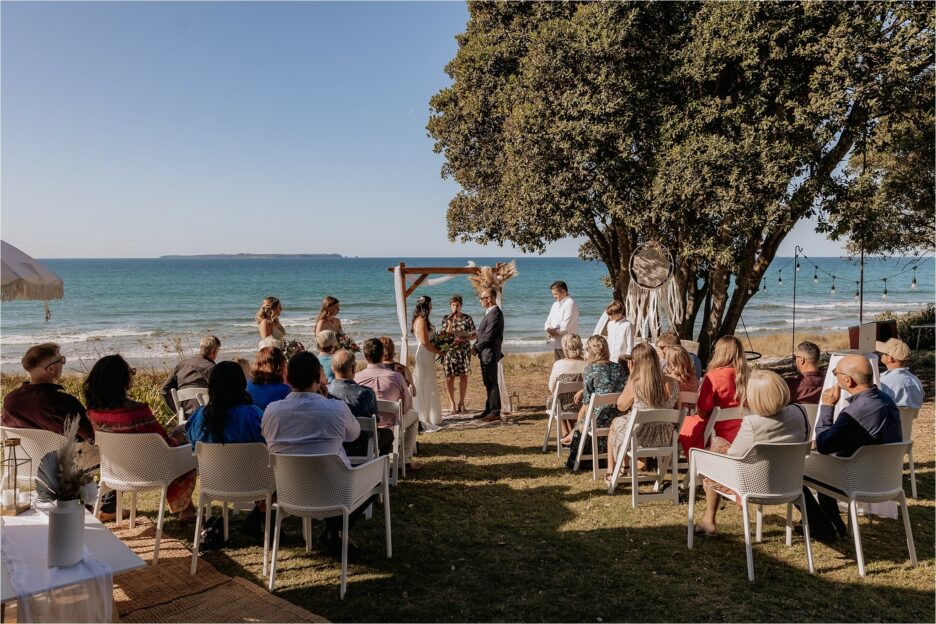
[146, 309]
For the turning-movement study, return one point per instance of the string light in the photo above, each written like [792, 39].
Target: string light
[765, 285]
[797, 266]
[884, 296]
[857, 294]
[815, 277]
[780, 277]
[913, 284]
[833, 285]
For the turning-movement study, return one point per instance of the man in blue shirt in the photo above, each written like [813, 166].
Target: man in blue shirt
[361, 400]
[869, 418]
[897, 381]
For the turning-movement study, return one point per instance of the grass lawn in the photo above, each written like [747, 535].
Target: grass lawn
[493, 529]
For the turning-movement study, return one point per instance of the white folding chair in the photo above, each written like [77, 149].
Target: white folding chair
[187, 394]
[37, 443]
[588, 428]
[233, 473]
[721, 414]
[688, 401]
[369, 425]
[874, 474]
[334, 490]
[398, 458]
[556, 415]
[907, 416]
[768, 474]
[133, 462]
[665, 456]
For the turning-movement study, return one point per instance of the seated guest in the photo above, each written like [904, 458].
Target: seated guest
[647, 388]
[773, 420]
[568, 369]
[244, 363]
[678, 365]
[389, 385]
[111, 410]
[600, 376]
[620, 333]
[192, 373]
[897, 381]
[869, 418]
[267, 377]
[326, 341]
[389, 353]
[806, 387]
[307, 423]
[230, 416]
[723, 387]
[41, 403]
[671, 339]
[360, 399]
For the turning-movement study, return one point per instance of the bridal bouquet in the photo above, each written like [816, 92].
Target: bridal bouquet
[345, 342]
[58, 477]
[444, 342]
[292, 347]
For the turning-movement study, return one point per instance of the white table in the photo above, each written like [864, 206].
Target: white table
[34, 527]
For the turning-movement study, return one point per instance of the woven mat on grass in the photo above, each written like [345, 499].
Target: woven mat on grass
[167, 592]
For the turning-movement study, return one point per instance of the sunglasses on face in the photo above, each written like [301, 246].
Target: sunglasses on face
[61, 360]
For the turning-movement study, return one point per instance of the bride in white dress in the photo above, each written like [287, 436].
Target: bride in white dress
[427, 399]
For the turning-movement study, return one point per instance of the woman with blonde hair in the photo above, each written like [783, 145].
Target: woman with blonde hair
[678, 365]
[272, 333]
[772, 420]
[328, 316]
[568, 369]
[723, 386]
[647, 388]
[600, 376]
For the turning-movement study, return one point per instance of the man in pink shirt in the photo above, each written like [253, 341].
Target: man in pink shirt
[390, 386]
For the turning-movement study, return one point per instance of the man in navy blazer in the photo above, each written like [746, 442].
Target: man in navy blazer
[488, 347]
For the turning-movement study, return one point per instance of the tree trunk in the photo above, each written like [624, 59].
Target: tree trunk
[711, 324]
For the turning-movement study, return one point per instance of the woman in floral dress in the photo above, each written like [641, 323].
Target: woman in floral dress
[601, 376]
[457, 361]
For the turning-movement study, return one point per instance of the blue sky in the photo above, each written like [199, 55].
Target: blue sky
[142, 129]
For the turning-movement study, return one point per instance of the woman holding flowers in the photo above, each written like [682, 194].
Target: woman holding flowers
[424, 373]
[456, 362]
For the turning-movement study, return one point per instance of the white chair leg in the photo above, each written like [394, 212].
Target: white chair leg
[674, 475]
[747, 540]
[276, 540]
[119, 508]
[913, 490]
[758, 524]
[198, 528]
[618, 465]
[691, 522]
[307, 532]
[789, 524]
[386, 511]
[805, 520]
[549, 422]
[224, 517]
[594, 455]
[559, 438]
[266, 532]
[100, 497]
[344, 553]
[581, 446]
[159, 523]
[906, 520]
[635, 478]
[133, 507]
[853, 514]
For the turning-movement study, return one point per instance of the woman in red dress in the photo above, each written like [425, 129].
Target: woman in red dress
[112, 411]
[723, 387]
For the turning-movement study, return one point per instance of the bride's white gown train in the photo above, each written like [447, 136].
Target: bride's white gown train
[427, 400]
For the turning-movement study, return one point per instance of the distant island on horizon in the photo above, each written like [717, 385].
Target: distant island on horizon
[250, 256]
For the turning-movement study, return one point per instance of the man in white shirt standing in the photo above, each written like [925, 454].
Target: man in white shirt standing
[563, 317]
[620, 333]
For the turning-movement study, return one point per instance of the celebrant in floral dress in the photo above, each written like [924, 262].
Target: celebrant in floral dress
[456, 362]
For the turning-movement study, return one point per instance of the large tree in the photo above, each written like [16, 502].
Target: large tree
[711, 128]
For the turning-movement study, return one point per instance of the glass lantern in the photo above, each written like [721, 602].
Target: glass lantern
[16, 491]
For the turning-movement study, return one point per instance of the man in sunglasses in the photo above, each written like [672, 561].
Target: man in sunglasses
[41, 402]
[871, 417]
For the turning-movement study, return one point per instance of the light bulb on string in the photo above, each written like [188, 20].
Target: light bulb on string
[833, 285]
[815, 277]
[797, 266]
[857, 294]
[765, 285]
[780, 277]
[884, 296]
[913, 284]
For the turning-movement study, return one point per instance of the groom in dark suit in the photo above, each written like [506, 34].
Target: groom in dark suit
[488, 348]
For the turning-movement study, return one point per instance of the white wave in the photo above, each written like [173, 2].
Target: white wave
[853, 305]
[70, 338]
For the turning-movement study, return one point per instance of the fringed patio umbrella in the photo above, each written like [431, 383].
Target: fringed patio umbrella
[28, 279]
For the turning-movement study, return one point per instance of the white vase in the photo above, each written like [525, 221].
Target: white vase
[66, 533]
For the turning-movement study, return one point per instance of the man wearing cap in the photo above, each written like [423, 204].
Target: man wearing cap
[897, 381]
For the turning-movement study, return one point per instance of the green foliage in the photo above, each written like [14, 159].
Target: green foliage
[710, 127]
[907, 320]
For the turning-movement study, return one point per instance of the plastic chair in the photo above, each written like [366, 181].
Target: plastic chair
[233, 473]
[134, 462]
[907, 416]
[187, 394]
[37, 443]
[721, 414]
[597, 400]
[368, 424]
[812, 414]
[556, 415]
[665, 455]
[334, 490]
[873, 474]
[768, 474]
[398, 459]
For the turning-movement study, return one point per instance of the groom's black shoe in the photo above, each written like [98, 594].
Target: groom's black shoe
[480, 416]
